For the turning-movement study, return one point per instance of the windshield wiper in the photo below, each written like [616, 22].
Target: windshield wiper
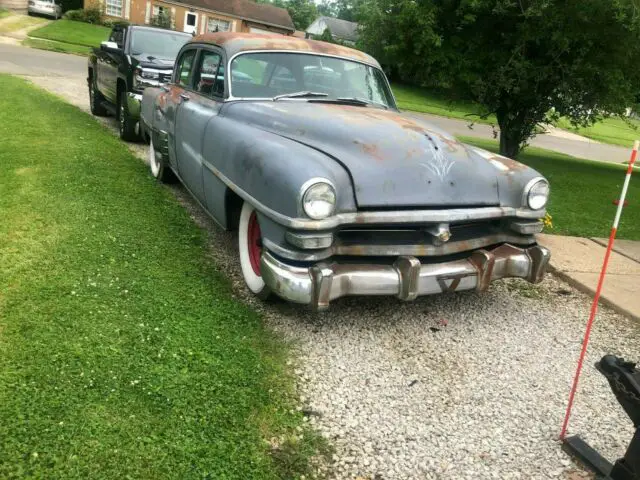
[360, 101]
[302, 94]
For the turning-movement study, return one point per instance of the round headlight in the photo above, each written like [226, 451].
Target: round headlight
[538, 194]
[319, 200]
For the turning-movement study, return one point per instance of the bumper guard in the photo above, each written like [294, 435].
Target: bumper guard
[407, 278]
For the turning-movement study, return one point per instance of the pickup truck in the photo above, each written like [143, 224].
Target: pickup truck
[133, 58]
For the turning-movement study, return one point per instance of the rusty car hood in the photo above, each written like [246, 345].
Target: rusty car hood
[393, 160]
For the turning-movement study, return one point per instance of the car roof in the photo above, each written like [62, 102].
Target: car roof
[236, 42]
[156, 29]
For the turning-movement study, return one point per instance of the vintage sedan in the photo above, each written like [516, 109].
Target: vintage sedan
[299, 145]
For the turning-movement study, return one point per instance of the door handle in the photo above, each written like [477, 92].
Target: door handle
[185, 97]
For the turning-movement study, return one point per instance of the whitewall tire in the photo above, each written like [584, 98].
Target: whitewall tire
[250, 249]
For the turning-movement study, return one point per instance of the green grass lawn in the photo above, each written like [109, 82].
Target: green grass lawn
[4, 12]
[582, 192]
[76, 33]
[423, 100]
[18, 22]
[612, 130]
[123, 352]
[56, 46]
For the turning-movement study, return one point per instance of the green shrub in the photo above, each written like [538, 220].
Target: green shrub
[162, 20]
[88, 15]
[110, 23]
[75, 15]
[93, 15]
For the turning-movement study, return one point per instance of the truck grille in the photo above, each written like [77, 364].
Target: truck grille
[165, 77]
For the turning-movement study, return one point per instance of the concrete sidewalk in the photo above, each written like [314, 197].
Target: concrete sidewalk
[579, 261]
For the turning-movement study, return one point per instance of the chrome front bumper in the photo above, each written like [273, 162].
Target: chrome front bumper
[407, 278]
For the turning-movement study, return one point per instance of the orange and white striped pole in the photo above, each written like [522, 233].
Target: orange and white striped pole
[596, 298]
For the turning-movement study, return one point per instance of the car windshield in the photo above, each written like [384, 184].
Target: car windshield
[155, 43]
[271, 75]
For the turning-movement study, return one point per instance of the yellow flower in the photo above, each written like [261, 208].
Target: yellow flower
[547, 221]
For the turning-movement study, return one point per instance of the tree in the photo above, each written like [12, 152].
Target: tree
[302, 12]
[526, 61]
[162, 20]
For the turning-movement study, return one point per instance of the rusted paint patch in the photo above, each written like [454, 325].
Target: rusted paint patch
[371, 150]
[235, 42]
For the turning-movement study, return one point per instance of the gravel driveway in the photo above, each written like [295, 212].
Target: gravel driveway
[448, 387]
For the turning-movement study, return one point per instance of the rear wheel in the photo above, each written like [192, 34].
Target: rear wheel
[126, 125]
[95, 100]
[159, 169]
[250, 249]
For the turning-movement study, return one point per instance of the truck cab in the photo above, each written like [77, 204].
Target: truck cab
[133, 58]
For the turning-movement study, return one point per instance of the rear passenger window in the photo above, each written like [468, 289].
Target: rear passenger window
[185, 68]
[209, 79]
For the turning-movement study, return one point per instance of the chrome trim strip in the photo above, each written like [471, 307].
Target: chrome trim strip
[425, 250]
[379, 217]
[406, 278]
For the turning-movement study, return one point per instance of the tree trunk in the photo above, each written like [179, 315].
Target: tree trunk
[512, 128]
[509, 141]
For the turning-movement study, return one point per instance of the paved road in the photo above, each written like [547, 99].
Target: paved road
[39, 63]
[28, 61]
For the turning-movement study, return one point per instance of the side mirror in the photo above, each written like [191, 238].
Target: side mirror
[110, 47]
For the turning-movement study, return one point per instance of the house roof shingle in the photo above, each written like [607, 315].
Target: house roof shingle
[247, 10]
[341, 28]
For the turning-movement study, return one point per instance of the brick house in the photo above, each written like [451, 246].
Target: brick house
[200, 16]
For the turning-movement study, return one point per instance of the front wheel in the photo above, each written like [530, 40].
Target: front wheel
[95, 100]
[126, 124]
[250, 248]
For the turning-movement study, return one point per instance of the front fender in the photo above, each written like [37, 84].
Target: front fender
[269, 168]
[512, 177]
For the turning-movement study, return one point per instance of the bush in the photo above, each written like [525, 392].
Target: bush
[110, 23]
[88, 15]
[93, 15]
[75, 15]
[162, 20]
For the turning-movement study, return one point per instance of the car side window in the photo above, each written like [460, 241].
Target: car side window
[185, 69]
[117, 36]
[208, 77]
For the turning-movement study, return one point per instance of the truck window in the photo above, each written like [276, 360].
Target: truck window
[185, 68]
[207, 78]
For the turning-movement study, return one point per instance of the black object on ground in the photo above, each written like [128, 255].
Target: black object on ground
[624, 379]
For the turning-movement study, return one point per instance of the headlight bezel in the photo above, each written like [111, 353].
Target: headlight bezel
[143, 78]
[308, 188]
[528, 189]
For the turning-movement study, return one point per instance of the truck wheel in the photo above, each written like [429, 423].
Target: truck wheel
[126, 125]
[95, 100]
[250, 248]
[159, 168]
